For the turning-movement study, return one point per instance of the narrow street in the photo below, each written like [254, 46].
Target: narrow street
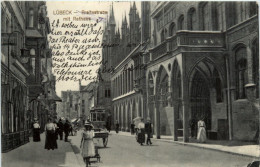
[121, 151]
[125, 151]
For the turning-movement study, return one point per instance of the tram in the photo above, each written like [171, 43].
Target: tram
[99, 118]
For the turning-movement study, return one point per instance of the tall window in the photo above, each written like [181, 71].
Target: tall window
[3, 21]
[191, 19]
[31, 18]
[181, 23]
[162, 35]
[253, 8]
[172, 29]
[231, 13]
[218, 87]
[241, 72]
[204, 15]
[107, 93]
[255, 52]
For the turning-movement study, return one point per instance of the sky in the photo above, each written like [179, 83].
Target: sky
[120, 10]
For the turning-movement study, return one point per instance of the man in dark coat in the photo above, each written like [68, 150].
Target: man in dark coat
[149, 131]
[132, 128]
[193, 124]
[61, 129]
[117, 126]
[66, 129]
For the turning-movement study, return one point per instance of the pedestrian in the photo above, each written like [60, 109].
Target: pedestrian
[201, 137]
[149, 131]
[56, 129]
[50, 142]
[66, 129]
[61, 129]
[193, 127]
[141, 132]
[36, 131]
[117, 126]
[108, 126]
[87, 144]
[132, 128]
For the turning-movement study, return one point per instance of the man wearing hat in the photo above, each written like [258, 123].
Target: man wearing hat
[149, 131]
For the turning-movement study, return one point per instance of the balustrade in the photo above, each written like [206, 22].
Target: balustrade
[188, 38]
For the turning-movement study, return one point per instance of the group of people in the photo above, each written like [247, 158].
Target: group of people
[53, 129]
[198, 130]
[141, 130]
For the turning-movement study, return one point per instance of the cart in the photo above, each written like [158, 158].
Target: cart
[99, 133]
[89, 160]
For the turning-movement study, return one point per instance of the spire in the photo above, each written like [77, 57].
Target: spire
[112, 17]
[130, 12]
[134, 6]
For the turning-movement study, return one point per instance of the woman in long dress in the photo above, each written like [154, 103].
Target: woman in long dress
[36, 131]
[201, 137]
[87, 144]
[141, 132]
[50, 142]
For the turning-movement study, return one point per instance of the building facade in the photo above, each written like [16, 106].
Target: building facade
[70, 104]
[201, 62]
[25, 71]
[127, 70]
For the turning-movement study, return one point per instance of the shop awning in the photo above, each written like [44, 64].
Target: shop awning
[53, 96]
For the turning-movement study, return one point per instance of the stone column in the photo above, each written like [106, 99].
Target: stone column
[126, 117]
[185, 103]
[122, 117]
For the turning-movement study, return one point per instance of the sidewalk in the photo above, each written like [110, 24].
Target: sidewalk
[33, 154]
[233, 147]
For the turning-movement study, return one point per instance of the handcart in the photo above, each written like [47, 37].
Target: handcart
[101, 134]
[89, 160]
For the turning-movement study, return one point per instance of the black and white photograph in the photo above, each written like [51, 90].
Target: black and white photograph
[130, 84]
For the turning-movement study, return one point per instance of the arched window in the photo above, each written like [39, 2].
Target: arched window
[252, 9]
[181, 23]
[218, 86]
[204, 16]
[31, 18]
[191, 19]
[231, 14]
[162, 35]
[241, 72]
[255, 53]
[172, 29]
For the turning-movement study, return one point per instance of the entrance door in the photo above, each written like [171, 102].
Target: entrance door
[200, 100]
